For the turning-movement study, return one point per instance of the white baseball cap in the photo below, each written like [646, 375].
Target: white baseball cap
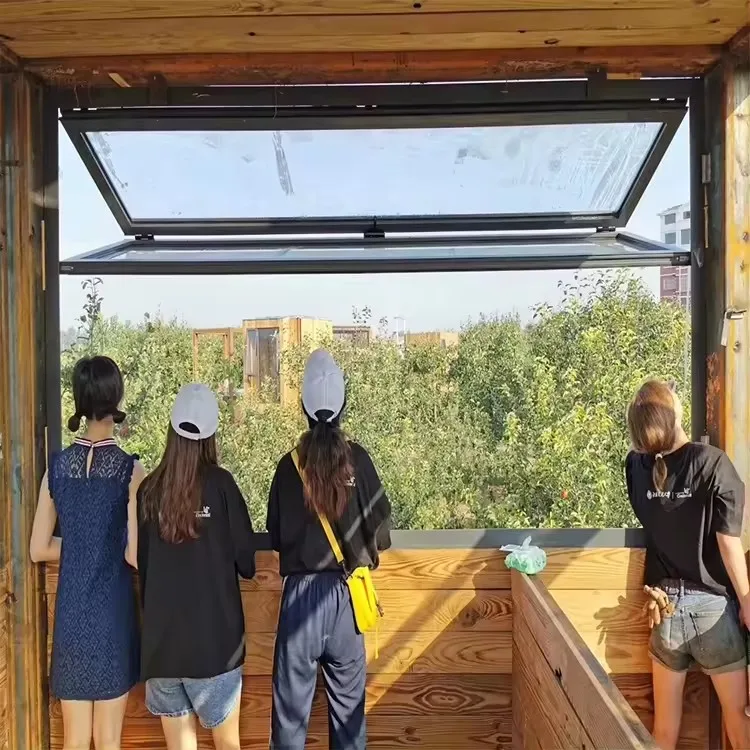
[195, 414]
[323, 387]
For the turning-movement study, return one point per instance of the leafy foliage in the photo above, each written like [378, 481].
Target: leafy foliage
[514, 427]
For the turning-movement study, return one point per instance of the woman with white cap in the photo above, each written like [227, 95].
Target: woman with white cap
[328, 516]
[195, 536]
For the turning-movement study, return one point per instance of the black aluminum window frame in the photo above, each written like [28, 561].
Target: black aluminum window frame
[398, 106]
[277, 256]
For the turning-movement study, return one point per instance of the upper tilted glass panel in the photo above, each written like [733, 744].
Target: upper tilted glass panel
[215, 175]
[323, 170]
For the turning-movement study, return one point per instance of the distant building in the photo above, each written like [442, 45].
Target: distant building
[674, 283]
[356, 335]
[434, 338]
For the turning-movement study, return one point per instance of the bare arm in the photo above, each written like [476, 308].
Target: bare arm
[44, 547]
[131, 549]
[733, 557]
[729, 508]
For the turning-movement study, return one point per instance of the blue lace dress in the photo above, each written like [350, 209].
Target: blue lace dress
[96, 644]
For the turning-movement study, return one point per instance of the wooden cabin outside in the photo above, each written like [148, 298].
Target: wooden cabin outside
[470, 655]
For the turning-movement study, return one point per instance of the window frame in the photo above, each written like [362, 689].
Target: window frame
[363, 107]
[354, 255]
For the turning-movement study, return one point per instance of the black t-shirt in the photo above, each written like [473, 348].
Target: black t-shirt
[703, 497]
[193, 625]
[297, 534]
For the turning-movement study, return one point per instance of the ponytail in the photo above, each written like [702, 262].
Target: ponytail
[659, 472]
[326, 462]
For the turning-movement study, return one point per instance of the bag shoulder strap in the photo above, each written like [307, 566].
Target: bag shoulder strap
[325, 523]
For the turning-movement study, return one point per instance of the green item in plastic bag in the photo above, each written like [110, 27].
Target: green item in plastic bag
[525, 557]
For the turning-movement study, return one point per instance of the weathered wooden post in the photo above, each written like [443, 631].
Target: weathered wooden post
[23, 197]
[724, 299]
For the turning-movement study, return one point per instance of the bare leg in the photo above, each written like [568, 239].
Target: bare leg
[669, 687]
[227, 734]
[78, 722]
[731, 688]
[108, 718]
[179, 732]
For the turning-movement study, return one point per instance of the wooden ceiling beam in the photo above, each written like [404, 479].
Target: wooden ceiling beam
[376, 67]
[376, 33]
[46, 11]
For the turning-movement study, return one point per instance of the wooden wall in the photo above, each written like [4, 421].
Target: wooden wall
[4, 653]
[562, 698]
[443, 676]
[442, 679]
[600, 591]
[24, 199]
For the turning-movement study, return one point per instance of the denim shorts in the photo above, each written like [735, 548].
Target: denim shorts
[705, 630]
[211, 699]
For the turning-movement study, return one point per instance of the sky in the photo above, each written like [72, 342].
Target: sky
[562, 167]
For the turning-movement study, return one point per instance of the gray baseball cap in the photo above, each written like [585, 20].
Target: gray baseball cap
[323, 387]
[195, 414]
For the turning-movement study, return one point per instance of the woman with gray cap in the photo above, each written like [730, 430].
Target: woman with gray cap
[333, 488]
[195, 536]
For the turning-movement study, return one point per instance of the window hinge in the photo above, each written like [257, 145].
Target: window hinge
[374, 232]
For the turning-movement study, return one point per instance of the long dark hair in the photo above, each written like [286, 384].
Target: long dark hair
[653, 425]
[171, 494]
[325, 458]
[98, 390]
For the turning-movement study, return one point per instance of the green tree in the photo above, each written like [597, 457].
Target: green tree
[516, 426]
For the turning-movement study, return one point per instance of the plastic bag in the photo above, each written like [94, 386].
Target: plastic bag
[525, 557]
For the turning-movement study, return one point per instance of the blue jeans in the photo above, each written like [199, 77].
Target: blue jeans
[705, 630]
[211, 699]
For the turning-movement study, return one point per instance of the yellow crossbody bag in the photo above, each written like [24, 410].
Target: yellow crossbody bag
[365, 602]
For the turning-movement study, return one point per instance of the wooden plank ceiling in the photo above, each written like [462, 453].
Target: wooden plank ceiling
[297, 39]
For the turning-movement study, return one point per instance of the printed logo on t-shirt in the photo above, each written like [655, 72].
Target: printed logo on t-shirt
[351, 482]
[204, 512]
[683, 494]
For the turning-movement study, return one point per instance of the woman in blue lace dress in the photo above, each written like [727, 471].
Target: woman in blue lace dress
[91, 488]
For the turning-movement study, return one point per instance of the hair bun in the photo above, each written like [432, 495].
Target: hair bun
[74, 423]
[118, 416]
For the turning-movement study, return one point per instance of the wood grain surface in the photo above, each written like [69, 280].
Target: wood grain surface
[41, 11]
[608, 718]
[446, 648]
[268, 34]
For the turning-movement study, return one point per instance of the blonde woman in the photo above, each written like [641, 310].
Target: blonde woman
[690, 501]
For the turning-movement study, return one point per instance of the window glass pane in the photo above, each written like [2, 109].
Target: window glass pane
[670, 238]
[540, 169]
[685, 237]
[592, 249]
[670, 219]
